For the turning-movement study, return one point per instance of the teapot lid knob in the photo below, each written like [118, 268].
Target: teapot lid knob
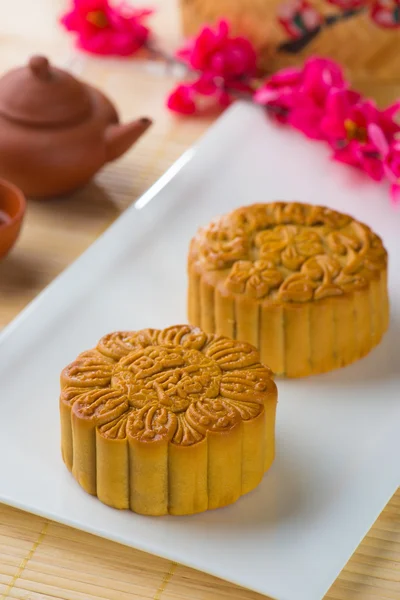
[40, 67]
[41, 94]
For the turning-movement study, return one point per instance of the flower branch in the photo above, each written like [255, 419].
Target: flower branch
[221, 67]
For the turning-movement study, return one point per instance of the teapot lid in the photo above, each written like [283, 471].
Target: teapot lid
[40, 94]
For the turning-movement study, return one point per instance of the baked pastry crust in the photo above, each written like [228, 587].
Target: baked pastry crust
[305, 284]
[168, 421]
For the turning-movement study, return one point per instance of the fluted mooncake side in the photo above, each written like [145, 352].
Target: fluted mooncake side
[305, 284]
[171, 421]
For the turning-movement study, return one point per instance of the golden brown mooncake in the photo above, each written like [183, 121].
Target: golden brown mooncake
[168, 421]
[305, 284]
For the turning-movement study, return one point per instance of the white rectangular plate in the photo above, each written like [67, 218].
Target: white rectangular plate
[338, 438]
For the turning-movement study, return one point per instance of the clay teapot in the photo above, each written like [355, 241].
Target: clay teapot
[56, 132]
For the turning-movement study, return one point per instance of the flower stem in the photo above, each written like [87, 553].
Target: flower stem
[171, 61]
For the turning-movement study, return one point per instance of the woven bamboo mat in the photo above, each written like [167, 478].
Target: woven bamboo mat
[41, 560]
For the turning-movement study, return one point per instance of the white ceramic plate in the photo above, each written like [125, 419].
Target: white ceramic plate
[337, 435]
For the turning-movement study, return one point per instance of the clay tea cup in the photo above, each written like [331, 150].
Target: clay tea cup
[12, 211]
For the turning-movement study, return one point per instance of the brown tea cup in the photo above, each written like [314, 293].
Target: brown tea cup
[12, 211]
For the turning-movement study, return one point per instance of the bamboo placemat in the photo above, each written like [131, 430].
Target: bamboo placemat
[41, 560]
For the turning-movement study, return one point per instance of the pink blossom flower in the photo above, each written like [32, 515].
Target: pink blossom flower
[181, 100]
[195, 97]
[348, 116]
[363, 156]
[105, 29]
[224, 63]
[317, 101]
[298, 17]
[346, 127]
[219, 54]
[320, 76]
[277, 93]
[207, 86]
[298, 96]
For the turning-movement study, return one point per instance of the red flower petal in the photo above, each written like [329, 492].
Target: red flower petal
[307, 121]
[181, 100]
[224, 99]
[218, 53]
[395, 194]
[103, 28]
[378, 139]
[205, 85]
[373, 167]
[347, 155]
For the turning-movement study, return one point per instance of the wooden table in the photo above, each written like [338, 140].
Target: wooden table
[39, 559]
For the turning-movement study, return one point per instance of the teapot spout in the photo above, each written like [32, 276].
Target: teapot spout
[119, 138]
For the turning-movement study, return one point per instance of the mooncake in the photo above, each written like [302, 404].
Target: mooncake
[172, 421]
[304, 284]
